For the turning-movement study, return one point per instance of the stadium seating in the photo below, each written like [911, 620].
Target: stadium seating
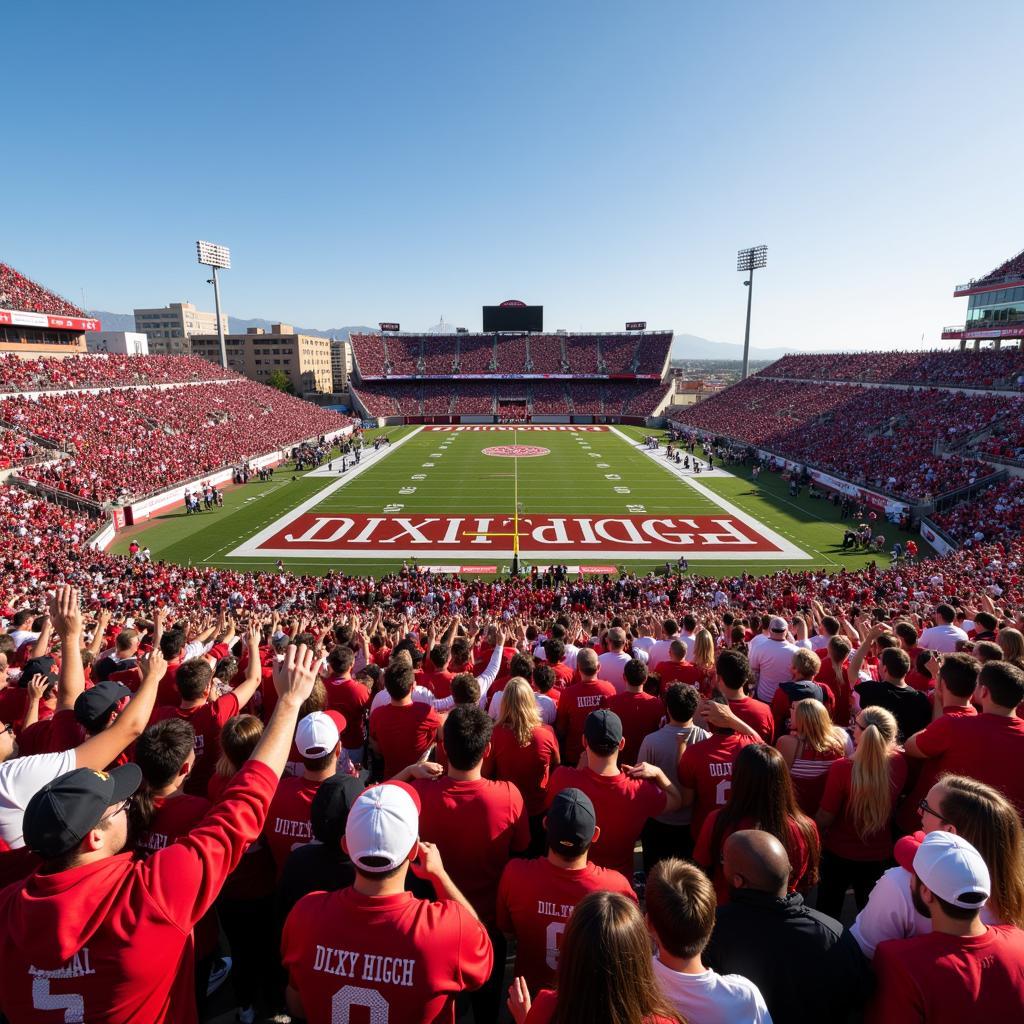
[129, 443]
[987, 368]
[617, 352]
[582, 353]
[877, 437]
[546, 353]
[17, 374]
[652, 352]
[369, 353]
[474, 398]
[476, 353]
[1011, 269]
[511, 354]
[404, 354]
[993, 514]
[439, 354]
[548, 398]
[20, 292]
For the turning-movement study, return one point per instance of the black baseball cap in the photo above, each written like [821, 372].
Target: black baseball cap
[96, 702]
[42, 666]
[63, 811]
[603, 728]
[571, 823]
[329, 812]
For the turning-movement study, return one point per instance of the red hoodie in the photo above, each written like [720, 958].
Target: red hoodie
[111, 942]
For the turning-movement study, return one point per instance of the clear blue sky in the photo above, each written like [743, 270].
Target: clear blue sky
[404, 160]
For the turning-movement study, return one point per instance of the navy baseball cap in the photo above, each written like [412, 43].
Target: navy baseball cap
[63, 811]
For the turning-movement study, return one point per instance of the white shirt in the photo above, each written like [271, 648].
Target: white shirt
[660, 651]
[545, 705]
[20, 779]
[644, 643]
[890, 913]
[611, 665]
[942, 638]
[712, 998]
[771, 663]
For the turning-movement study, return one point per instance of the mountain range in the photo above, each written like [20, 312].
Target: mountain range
[684, 346]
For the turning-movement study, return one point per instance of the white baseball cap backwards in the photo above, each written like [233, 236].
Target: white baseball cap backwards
[777, 624]
[383, 826]
[317, 734]
[953, 870]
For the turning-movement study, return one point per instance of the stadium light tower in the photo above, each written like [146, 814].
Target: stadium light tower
[749, 260]
[216, 256]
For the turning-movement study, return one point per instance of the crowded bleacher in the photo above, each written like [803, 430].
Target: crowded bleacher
[883, 438]
[20, 292]
[127, 442]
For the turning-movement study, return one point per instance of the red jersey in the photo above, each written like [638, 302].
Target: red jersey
[529, 767]
[984, 747]
[756, 714]
[288, 820]
[352, 699]
[842, 837]
[946, 979]
[546, 1002]
[207, 720]
[706, 768]
[175, 817]
[111, 941]
[535, 901]
[576, 702]
[641, 714]
[621, 805]
[477, 826]
[52, 735]
[403, 733]
[398, 958]
[670, 672]
[711, 859]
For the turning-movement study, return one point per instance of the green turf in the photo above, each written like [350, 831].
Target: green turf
[450, 475]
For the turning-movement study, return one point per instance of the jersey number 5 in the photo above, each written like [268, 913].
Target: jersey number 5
[352, 995]
[43, 999]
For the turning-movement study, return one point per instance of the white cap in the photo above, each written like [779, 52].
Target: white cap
[953, 870]
[383, 823]
[777, 624]
[316, 735]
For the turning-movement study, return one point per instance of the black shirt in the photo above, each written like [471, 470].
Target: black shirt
[911, 708]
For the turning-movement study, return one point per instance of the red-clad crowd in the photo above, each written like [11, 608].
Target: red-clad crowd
[20, 292]
[421, 806]
[882, 438]
[104, 371]
[126, 443]
[986, 368]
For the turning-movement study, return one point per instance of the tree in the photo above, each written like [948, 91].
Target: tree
[279, 379]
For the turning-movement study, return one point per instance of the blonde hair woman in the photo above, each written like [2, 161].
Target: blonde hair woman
[810, 749]
[523, 751]
[1011, 641]
[856, 812]
[701, 671]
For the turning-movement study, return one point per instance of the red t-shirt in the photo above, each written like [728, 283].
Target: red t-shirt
[543, 1010]
[352, 699]
[536, 899]
[842, 837]
[989, 748]
[528, 768]
[706, 857]
[672, 672]
[756, 714]
[641, 715]
[403, 733]
[621, 805]
[706, 768]
[52, 735]
[477, 826]
[174, 818]
[207, 720]
[14, 704]
[944, 979]
[576, 702]
[288, 820]
[398, 958]
[115, 936]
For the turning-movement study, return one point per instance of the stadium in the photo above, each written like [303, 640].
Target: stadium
[489, 503]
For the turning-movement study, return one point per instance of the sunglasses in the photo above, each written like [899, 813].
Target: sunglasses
[122, 806]
[6, 729]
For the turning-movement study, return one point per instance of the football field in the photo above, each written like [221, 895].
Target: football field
[464, 498]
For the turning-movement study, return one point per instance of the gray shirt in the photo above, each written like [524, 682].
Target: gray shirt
[662, 748]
